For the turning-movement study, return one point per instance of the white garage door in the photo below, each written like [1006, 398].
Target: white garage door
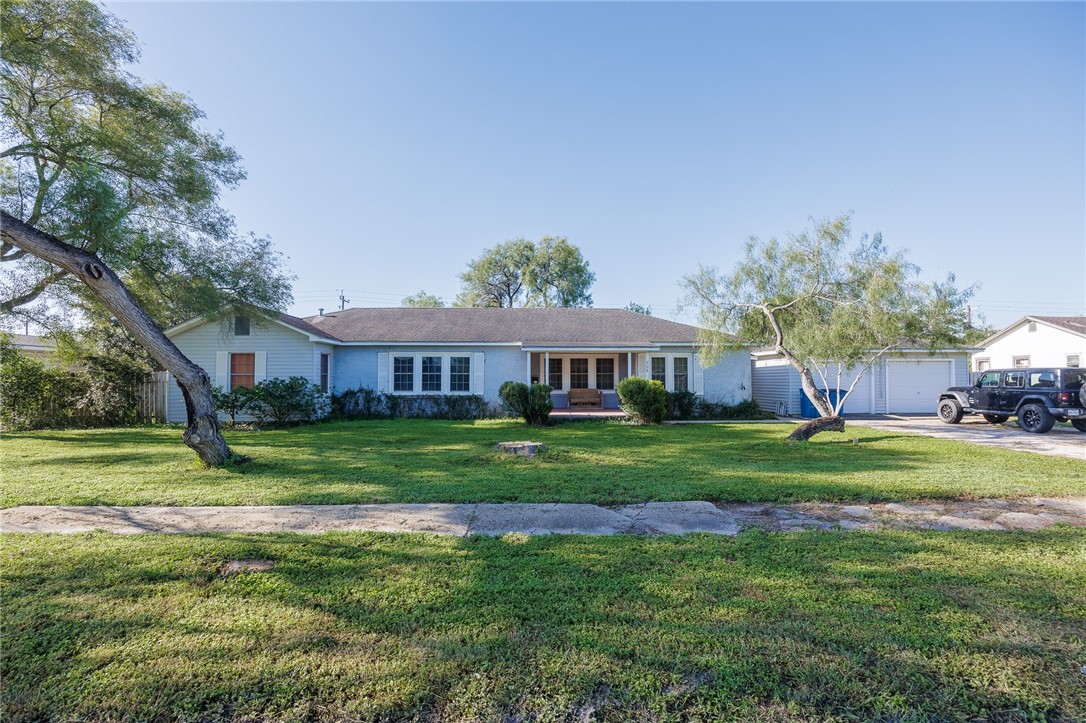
[912, 387]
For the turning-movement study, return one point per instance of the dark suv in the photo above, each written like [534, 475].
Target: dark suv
[1038, 397]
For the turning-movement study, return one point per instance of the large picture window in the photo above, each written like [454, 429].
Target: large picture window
[659, 369]
[460, 374]
[605, 373]
[578, 374]
[431, 374]
[242, 370]
[403, 374]
[682, 374]
[554, 374]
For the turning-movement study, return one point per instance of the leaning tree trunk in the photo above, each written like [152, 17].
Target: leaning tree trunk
[202, 434]
[829, 421]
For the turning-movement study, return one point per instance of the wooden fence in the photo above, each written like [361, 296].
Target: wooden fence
[154, 394]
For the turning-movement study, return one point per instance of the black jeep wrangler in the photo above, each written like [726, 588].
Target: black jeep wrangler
[1038, 397]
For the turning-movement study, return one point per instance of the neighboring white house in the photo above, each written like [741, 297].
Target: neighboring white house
[39, 348]
[459, 351]
[907, 381]
[1035, 341]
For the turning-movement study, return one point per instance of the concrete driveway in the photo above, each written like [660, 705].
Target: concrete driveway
[1062, 441]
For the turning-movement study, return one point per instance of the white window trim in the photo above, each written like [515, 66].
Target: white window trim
[1067, 360]
[669, 369]
[591, 370]
[984, 360]
[446, 374]
[1014, 362]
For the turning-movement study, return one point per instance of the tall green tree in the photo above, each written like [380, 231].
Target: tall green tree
[827, 305]
[107, 179]
[422, 300]
[550, 273]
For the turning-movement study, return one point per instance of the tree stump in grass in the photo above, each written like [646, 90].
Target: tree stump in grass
[520, 449]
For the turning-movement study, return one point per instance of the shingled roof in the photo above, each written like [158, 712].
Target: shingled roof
[586, 327]
[1075, 324]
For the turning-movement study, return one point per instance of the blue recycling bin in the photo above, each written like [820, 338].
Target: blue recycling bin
[808, 411]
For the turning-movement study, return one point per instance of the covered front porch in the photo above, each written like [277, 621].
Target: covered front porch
[566, 369]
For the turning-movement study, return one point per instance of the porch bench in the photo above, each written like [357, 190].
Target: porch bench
[585, 398]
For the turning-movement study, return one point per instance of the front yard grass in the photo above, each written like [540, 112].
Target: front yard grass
[442, 461]
[902, 626]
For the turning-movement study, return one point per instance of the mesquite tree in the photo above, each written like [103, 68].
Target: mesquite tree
[109, 188]
[826, 305]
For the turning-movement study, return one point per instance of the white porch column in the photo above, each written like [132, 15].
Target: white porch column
[546, 377]
[528, 370]
[629, 364]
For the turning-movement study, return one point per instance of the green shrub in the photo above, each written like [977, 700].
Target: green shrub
[234, 402]
[533, 403]
[366, 403]
[687, 405]
[102, 392]
[682, 405]
[643, 400]
[287, 400]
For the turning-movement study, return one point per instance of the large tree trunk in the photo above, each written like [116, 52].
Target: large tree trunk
[203, 434]
[822, 424]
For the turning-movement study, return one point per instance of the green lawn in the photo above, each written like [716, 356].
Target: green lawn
[889, 626]
[440, 461]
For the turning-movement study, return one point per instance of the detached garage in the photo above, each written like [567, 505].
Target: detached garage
[906, 383]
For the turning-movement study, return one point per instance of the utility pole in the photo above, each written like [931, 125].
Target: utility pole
[969, 315]
[342, 300]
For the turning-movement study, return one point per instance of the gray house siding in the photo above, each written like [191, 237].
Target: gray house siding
[774, 380]
[288, 353]
[355, 366]
[729, 380]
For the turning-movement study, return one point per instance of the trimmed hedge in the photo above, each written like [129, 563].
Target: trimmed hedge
[366, 403]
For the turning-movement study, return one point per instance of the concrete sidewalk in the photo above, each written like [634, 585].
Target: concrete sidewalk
[653, 518]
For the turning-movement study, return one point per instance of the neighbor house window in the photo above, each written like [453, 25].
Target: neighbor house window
[1073, 360]
[682, 374]
[554, 373]
[242, 370]
[324, 373]
[460, 374]
[659, 369]
[241, 326]
[431, 374]
[403, 374]
[578, 374]
[984, 365]
[1020, 362]
[605, 374]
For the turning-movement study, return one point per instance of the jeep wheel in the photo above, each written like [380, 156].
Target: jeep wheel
[1079, 424]
[1035, 419]
[995, 418]
[950, 412]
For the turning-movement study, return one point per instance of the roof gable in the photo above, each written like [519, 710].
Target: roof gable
[1073, 324]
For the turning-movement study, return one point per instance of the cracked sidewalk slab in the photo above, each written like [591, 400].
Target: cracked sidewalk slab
[650, 518]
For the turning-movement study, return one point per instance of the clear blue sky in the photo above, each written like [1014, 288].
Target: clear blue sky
[388, 144]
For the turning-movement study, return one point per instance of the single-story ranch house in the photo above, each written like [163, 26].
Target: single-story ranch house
[441, 351]
[906, 381]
